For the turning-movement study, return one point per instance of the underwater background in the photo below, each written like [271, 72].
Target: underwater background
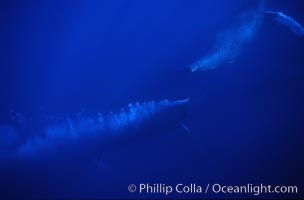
[243, 121]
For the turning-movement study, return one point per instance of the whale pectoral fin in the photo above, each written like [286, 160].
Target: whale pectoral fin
[185, 128]
[192, 139]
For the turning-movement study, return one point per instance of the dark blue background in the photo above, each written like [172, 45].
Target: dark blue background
[246, 118]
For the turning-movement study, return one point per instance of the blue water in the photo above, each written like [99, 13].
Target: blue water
[95, 96]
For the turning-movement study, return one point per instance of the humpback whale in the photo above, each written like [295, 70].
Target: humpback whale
[68, 146]
[230, 42]
[139, 120]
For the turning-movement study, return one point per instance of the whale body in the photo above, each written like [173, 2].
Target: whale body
[230, 42]
[94, 132]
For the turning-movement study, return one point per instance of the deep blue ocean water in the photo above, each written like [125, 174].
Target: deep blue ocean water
[244, 121]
